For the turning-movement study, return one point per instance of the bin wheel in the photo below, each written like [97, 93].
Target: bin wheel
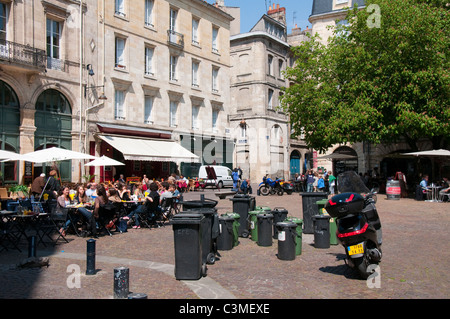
[211, 258]
[245, 234]
[204, 270]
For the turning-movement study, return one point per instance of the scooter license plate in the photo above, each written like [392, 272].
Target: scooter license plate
[355, 249]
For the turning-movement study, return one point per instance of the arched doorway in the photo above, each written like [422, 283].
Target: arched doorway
[295, 163]
[348, 161]
[9, 131]
[53, 121]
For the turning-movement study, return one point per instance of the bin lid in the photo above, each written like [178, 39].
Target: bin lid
[187, 218]
[314, 194]
[321, 217]
[279, 211]
[241, 196]
[233, 214]
[208, 203]
[322, 202]
[262, 208]
[286, 224]
[264, 215]
[295, 220]
[226, 218]
[241, 199]
[255, 212]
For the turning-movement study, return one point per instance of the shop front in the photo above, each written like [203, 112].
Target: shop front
[143, 151]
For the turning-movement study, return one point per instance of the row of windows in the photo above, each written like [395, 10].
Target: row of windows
[149, 117]
[54, 29]
[150, 20]
[149, 68]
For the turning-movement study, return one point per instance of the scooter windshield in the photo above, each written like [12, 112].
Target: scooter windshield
[350, 182]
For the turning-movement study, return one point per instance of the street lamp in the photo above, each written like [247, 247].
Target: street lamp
[86, 87]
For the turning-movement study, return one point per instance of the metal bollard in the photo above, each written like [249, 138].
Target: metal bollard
[121, 282]
[32, 243]
[90, 257]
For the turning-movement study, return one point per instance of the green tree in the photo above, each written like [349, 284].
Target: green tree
[380, 78]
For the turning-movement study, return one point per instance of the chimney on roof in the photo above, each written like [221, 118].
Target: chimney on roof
[296, 30]
[277, 13]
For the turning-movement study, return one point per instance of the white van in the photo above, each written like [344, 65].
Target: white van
[223, 175]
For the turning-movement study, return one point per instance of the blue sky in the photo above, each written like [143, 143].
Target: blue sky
[297, 11]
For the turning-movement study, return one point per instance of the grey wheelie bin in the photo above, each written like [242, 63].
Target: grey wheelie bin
[187, 230]
[299, 231]
[225, 240]
[310, 208]
[241, 206]
[321, 231]
[210, 233]
[279, 215]
[265, 222]
[287, 236]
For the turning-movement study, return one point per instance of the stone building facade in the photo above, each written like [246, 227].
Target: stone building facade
[165, 69]
[41, 50]
[74, 73]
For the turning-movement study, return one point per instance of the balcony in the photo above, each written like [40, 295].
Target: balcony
[20, 54]
[175, 39]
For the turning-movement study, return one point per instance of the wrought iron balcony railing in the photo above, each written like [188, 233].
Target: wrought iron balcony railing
[175, 38]
[22, 54]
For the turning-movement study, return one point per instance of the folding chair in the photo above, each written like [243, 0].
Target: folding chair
[8, 234]
[120, 209]
[167, 208]
[443, 195]
[52, 223]
[107, 212]
[147, 217]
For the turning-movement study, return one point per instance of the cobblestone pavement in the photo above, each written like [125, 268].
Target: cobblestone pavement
[414, 266]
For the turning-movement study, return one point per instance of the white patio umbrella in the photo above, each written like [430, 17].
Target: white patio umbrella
[104, 161]
[54, 154]
[437, 155]
[440, 152]
[337, 156]
[9, 156]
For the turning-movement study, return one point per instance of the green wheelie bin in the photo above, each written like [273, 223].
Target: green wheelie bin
[253, 216]
[236, 225]
[299, 230]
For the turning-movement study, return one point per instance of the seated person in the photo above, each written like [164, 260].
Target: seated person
[92, 215]
[124, 192]
[445, 188]
[62, 201]
[175, 192]
[81, 196]
[114, 196]
[246, 188]
[164, 191]
[422, 188]
[150, 205]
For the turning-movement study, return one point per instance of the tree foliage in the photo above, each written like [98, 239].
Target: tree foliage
[376, 84]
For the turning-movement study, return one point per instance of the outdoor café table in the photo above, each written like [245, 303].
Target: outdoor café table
[73, 210]
[8, 228]
[434, 193]
[6, 215]
[27, 223]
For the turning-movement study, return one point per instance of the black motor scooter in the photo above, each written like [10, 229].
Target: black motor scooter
[358, 223]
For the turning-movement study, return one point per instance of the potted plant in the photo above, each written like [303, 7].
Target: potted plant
[18, 191]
